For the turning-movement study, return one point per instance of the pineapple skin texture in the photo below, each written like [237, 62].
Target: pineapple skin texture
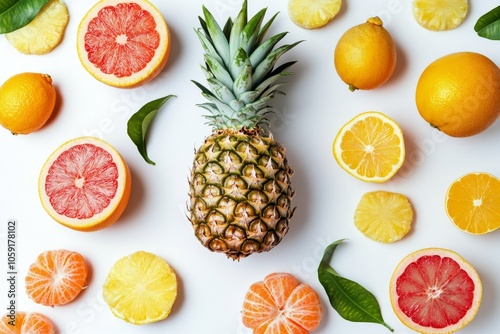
[240, 193]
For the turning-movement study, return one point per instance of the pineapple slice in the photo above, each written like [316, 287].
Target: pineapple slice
[44, 32]
[440, 15]
[313, 14]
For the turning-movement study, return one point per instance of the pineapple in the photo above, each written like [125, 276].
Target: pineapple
[240, 191]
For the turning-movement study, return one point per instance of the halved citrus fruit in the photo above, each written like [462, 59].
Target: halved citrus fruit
[383, 216]
[44, 32]
[56, 277]
[440, 15]
[370, 147]
[85, 184]
[280, 304]
[140, 288]
[473, 203]
[123, 43]
[26, 323]
[313, 14]
[434, 290]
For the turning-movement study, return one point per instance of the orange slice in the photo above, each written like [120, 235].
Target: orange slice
[370, 147]
[26, 323]
[280, 304]
[473, 203]
[434, 290]
[123, 43]
[56, 277]
[383, 216]
[85, 184]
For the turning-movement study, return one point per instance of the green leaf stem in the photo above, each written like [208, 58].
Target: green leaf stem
[15, 14]
[488, 25]
[138, 124]
[352, 301]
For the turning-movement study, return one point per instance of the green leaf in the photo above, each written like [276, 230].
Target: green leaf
[488, 25]
[138, 124]
[15, 14]
[352, 301]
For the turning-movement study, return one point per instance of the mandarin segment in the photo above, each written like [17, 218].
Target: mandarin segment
[473, 203]
[27, 323]
[56, 277]
[279, 304]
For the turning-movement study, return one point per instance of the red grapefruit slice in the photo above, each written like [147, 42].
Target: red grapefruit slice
[123, 43]
[85, 184]
[434, 290]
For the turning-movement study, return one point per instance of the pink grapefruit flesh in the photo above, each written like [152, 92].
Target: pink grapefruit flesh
[435, 290]
[123, 43]
[85, 184]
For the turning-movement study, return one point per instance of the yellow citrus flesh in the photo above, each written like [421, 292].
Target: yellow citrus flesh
[365, 55]
[473, 203]
[440, 15]
[123, 43]
[370, 147]
[27, 101]
[140, 288]
[313, 14]
[383, 216]
[458, 93]
[44, 32]
[85, 184]
[435, 291]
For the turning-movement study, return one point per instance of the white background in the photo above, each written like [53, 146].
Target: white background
[317, 104]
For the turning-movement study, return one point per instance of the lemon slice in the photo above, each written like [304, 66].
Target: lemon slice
[383, 216]
[44, 32]
[140, 288]
[370, 147]
[312, 14]
[440, 15]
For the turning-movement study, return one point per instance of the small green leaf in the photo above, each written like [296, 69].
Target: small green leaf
[138, 124]
[488, 25]
[352, 301]
[15, 14]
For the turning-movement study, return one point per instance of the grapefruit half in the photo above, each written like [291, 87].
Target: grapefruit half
[123, 43]
[85, 184]
[434, 290]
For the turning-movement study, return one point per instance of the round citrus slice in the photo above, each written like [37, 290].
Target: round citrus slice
[313, 14]
[473, 203]
[440, 15]
[26, 323]
[44, 32]
[435, 290]
[370, 147]
[280, 304]
[85, 184]
[123, 43]
[56, 277]
[140, 288]
[383, 216]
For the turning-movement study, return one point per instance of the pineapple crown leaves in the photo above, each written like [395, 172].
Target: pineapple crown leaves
[240, 69]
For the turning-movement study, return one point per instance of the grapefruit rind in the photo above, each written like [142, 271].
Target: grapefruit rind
[150, 71]
[464, 265]
[116, 206]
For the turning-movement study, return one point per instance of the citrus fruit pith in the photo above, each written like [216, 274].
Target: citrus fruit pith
[85, 184]
[435, 291]
[123, 43]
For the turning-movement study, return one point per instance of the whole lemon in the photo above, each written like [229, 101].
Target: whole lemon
[27, 101]
[459, 93]
[365, 55]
